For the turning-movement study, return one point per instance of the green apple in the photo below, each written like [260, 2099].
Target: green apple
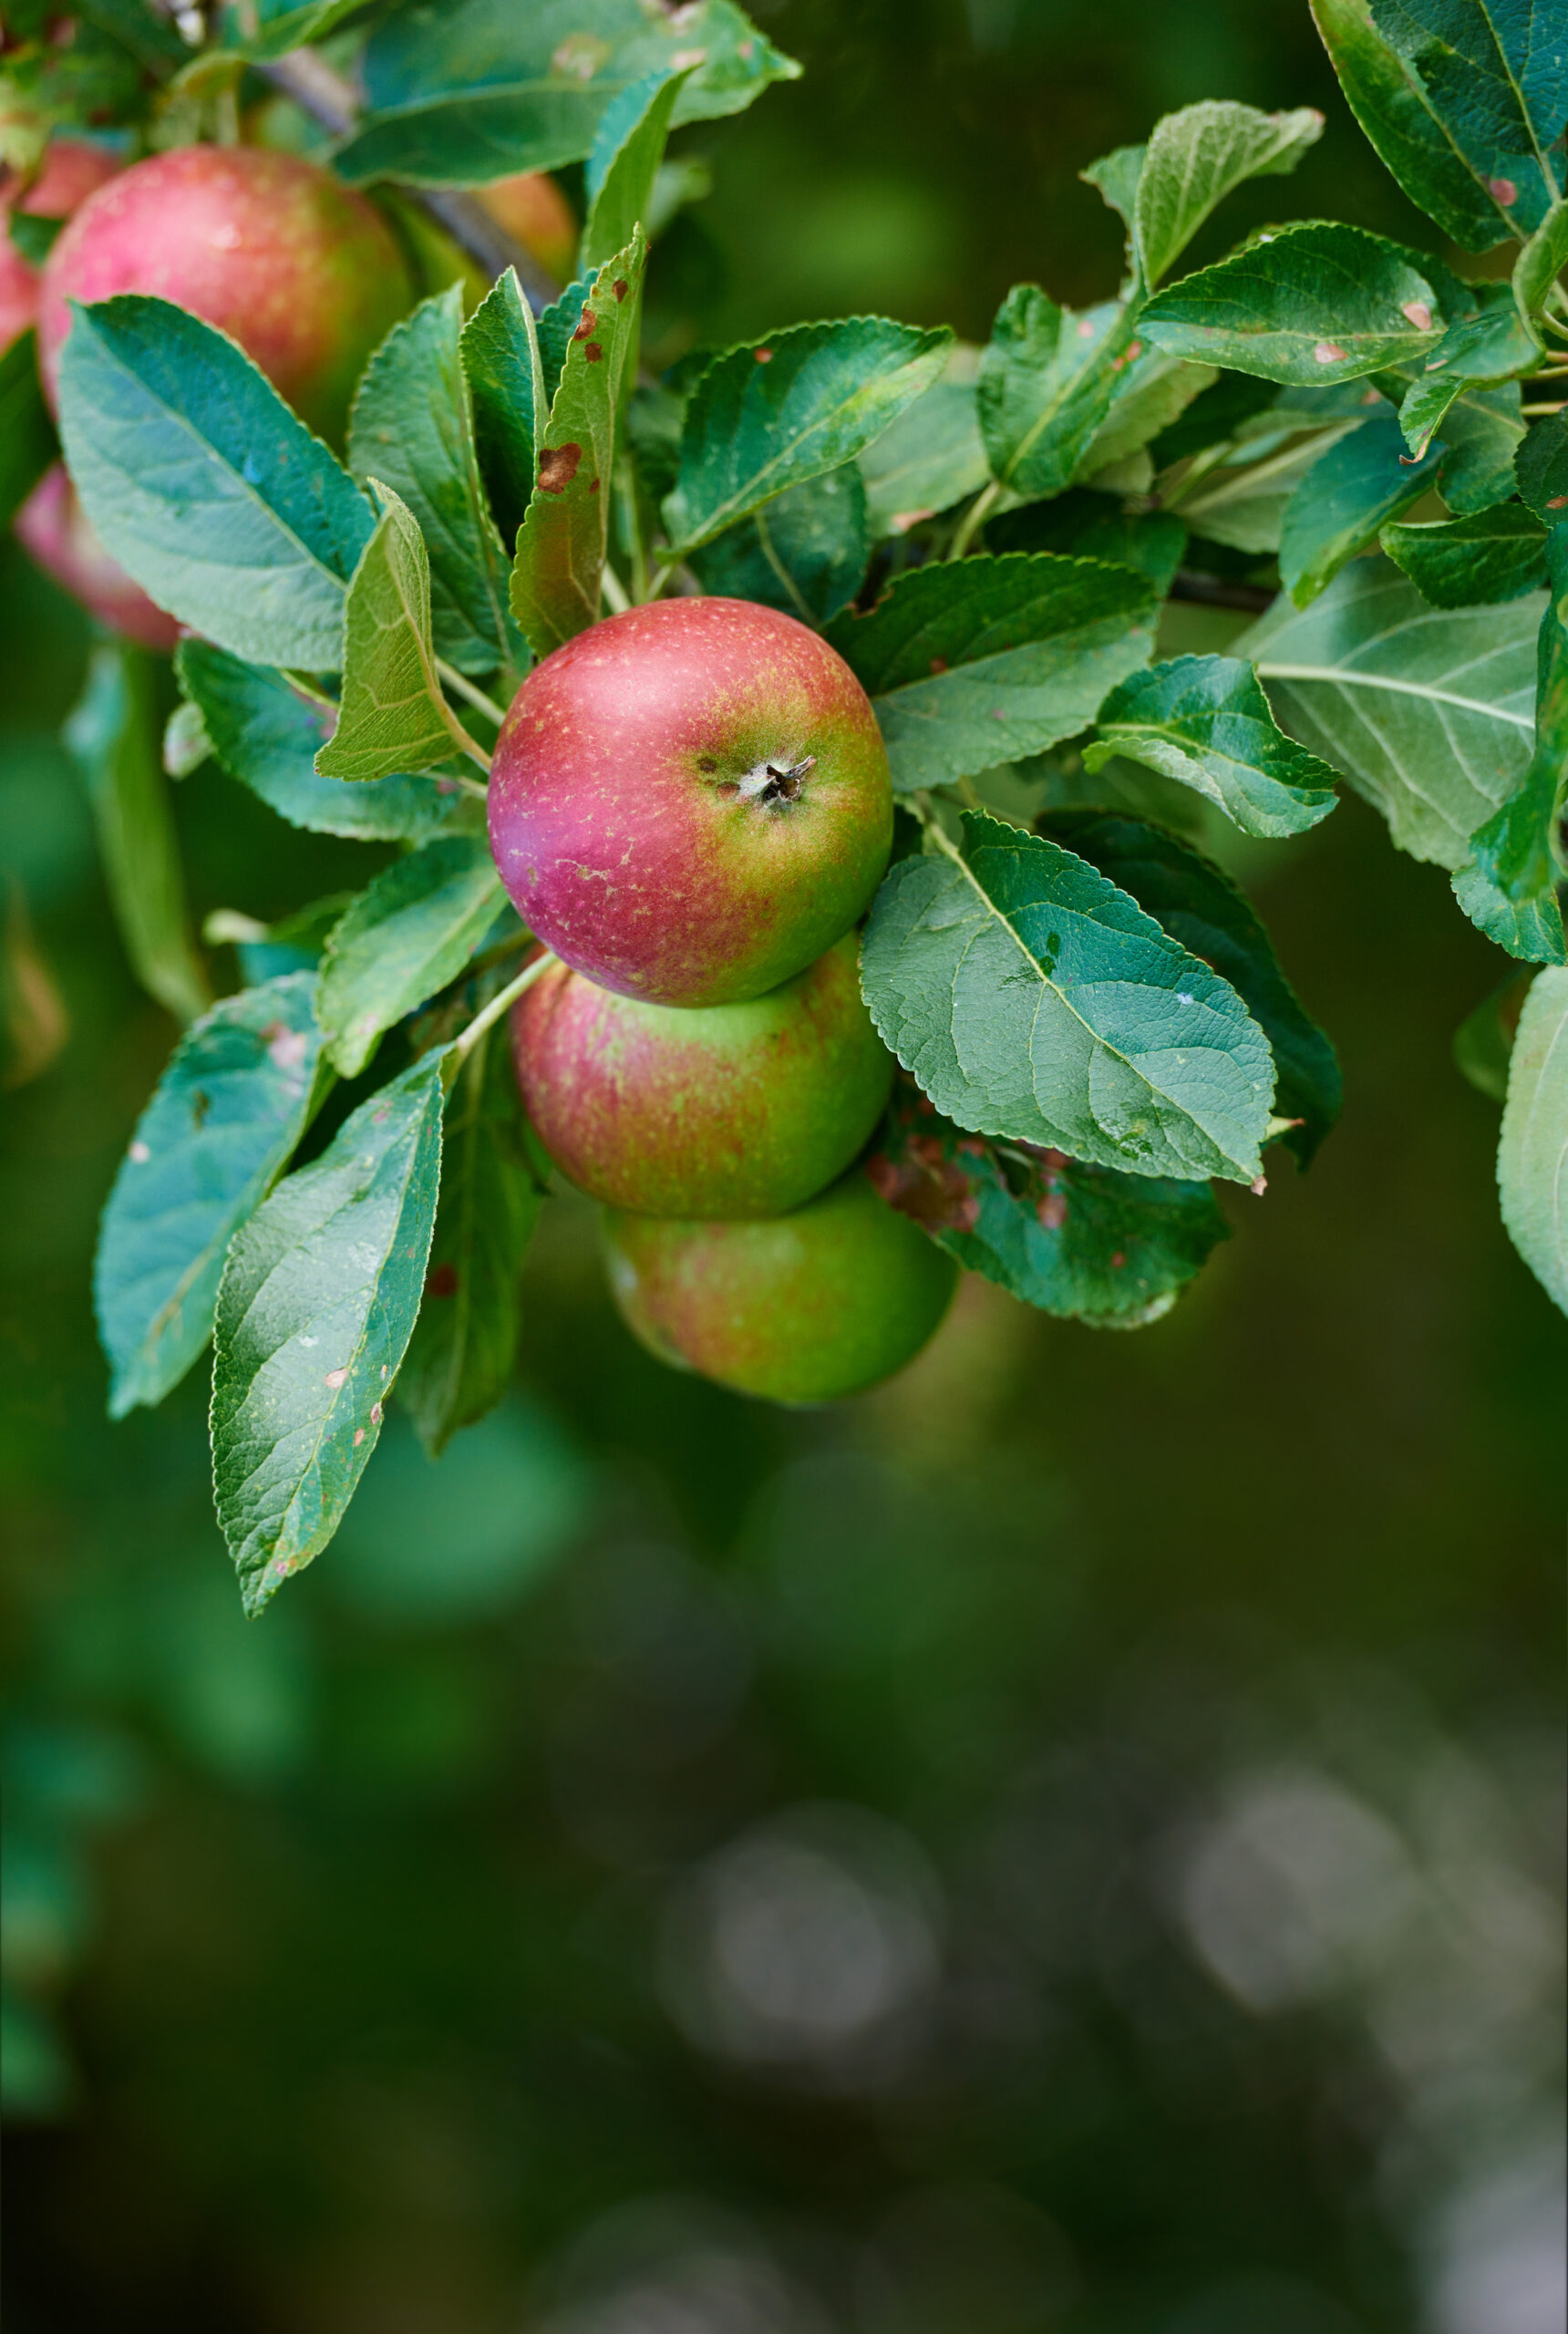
[718, 1110]
[805, 1308]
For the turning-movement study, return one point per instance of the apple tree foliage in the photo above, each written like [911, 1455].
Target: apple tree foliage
[1360, 445]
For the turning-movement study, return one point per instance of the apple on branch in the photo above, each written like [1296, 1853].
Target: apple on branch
[723, 1110]
[690, 802]
[806, 1307]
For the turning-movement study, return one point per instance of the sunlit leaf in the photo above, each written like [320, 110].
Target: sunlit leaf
[1031, 999]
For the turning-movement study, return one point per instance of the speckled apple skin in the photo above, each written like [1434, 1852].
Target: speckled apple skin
[72, 170]
[799, 1309]
[56, 532]
[616, 816]
[725, 1111]
[303, 273]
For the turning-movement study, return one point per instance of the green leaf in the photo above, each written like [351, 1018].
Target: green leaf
[777, 412]
[1482, 430]
[556, 578]
[1089, 525]
[282, 28]
[1509, 887]
[1199, 155]
[1399, 116]
[1540, 467]
[1494, 554]
[1495, 74]
[1306, 304]
[1116, 176]
[1082, 1241]
[1344, 499]
[628, 147]
[1152, 391]
[112, 736]
[413, 930]
[391, 717]
[1046, 381]
[1485, 1041]
[266, 732]
[1201, 909]
[207, 489]
[1491, 343]
[1532, 1156]
[32, 237]
[932, 456]
[499, 350]
[976, 661]
[1205, 722]
[805, 551]
[225, 1117]
[28, 441]
[317, 1306]
[459, 1361]
[1032, 999]
[1427, 711]
[475, 89]
[1215, 417]
[412, 428]
[1242, 500]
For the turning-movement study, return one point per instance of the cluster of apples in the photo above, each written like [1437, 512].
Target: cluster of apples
[690, 807]
[690, 804]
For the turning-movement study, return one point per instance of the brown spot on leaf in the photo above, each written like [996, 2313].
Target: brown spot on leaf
[558, 466]
[620, 287]
[587, 323]
[1052, 1210]
[441, 1280]
[927, 1187]
[939, 664]
[1502, 190]
[763, 355]
[592, 352]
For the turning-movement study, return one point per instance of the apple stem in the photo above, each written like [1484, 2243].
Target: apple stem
[501, 1003]
[460, 685]
[973, 518]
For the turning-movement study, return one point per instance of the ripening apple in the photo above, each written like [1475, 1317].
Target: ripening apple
[303, 272]
[72, 171]
[728, 1110]
[532, 210]
[805, 1308]
[690, 802]
[55, 529]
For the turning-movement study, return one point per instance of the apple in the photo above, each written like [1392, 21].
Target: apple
[72, 171]
[54, 528]
[303, 273]
[728, 1110]
[690, 802]
[532, 210]
[805, 1308]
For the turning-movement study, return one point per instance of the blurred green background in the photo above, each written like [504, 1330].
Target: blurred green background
[1066, 1843]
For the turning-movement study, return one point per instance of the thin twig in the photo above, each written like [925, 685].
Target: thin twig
[501, 1003]
[1208, 591]
[614, 590]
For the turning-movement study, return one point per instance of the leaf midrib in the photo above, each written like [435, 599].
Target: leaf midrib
[1347, 676]
[957, 859]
